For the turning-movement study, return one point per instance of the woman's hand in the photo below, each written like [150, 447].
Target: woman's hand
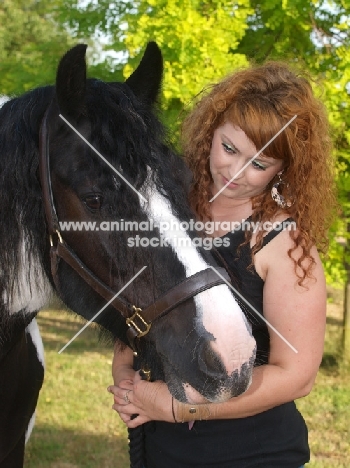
[141, 401]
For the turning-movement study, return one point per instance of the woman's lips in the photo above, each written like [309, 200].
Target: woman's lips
[228, 183]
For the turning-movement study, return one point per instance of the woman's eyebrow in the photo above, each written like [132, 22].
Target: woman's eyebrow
[268, 159]
[239, 151]
[231, 142]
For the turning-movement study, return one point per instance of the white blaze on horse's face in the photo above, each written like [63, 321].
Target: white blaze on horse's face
[217, 310]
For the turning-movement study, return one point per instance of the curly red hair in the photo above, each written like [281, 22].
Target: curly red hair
[261, 100]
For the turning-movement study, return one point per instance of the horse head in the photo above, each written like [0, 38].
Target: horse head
[119, 194]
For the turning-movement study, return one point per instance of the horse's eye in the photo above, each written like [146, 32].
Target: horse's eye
[93, 202]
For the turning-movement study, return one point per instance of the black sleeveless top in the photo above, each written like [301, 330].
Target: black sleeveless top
[238, 261]
[276, 438]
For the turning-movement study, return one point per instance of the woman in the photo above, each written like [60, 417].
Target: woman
[278, 270]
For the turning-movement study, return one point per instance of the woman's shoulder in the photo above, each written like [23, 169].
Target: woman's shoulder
[279, 218]
[272, 227]
[281, 251]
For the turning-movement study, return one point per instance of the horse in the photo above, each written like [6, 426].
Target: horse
[91, 152]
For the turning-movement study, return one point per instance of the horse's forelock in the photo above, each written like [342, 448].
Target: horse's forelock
[170, 177]
[117, 117]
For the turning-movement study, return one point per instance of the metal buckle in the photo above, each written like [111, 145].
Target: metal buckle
[142, 322]
[59, 238]
[146, 373]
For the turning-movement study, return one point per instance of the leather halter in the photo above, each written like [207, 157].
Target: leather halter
[139, 321]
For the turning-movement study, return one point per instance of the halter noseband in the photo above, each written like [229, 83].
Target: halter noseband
[138, 324]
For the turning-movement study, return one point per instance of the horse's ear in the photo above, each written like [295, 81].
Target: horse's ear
[145, 81]
[71, 81]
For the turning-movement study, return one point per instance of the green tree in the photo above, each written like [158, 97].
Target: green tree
[198, 39]
[31, 42]
[202, 40]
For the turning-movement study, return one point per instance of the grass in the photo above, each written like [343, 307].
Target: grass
[76, 427]
[327, 408]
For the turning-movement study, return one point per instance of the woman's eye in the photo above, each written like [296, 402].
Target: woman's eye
[93, 202]
[228, 148]
[258, 165]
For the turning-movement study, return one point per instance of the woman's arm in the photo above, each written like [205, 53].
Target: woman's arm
[297, 313]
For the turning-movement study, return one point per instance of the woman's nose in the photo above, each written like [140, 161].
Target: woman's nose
[236, 171]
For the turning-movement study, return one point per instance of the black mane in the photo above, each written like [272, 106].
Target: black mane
[21, 210]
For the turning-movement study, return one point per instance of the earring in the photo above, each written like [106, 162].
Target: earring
[276, 196]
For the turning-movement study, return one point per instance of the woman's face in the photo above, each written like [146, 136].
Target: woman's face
[231, 150]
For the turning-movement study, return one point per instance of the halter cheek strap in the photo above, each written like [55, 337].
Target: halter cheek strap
[138, 321]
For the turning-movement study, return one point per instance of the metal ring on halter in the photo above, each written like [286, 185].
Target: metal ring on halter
[126, 398]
